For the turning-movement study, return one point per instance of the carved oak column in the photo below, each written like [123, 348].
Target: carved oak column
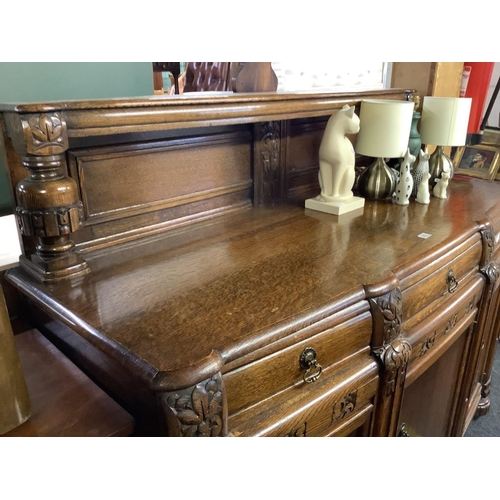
[49, 209]
[197, 411]
[491, 304]
[393, 352]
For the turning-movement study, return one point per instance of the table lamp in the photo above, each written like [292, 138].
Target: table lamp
[384, 132]
[444, 123]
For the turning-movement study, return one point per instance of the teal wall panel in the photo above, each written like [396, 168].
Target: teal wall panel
[56, 81]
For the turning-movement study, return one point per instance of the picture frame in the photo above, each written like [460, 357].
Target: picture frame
[491, 137]
[480, 161]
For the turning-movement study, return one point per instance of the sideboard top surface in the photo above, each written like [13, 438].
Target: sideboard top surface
[187, 99]
[210, 293]
[158, 113]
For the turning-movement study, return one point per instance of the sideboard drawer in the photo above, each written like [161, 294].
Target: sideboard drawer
[332, 406]
[434, 336]
[446, 275]
[276, 372]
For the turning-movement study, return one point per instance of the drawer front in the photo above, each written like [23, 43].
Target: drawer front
[444, 277]
[336, 405]
[265, 377]
[452, 314]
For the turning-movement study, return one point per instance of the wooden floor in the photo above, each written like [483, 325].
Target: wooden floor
[64, 401]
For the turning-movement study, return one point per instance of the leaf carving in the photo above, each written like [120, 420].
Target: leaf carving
[214, 404]
[188, 417]
[217, 425]
[200, 401]
[199, 413]
[46, 129]
[389, 315]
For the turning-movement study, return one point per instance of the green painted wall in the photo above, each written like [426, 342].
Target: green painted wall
[56, 81]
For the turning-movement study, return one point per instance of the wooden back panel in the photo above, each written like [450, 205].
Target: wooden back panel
[143, 166]
[135, 187]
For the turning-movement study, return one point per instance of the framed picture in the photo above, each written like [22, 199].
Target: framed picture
[477, 161]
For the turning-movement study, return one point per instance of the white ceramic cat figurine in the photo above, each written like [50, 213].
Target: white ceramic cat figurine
[423, 193]
[439, 190]
[336, 156]
[420, 170]
[405, 184]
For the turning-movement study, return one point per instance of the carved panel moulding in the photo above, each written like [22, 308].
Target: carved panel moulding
[197, 411]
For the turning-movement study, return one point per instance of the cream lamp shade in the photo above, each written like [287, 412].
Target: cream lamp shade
[444, 120]
[384, 128]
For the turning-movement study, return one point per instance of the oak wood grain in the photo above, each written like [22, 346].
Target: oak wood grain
[204, 285]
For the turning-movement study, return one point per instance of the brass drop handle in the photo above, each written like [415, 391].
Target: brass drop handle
[309, 362]
[451, 281]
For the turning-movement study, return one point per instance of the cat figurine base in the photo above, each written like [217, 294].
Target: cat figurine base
[336, 166]
[335, 207]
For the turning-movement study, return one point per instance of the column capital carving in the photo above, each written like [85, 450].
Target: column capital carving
[38, 134]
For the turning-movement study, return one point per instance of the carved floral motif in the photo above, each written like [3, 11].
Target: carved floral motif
[391, 308]
[344, 407]
[427, 344]
[199, 413]
[45, 134]
[450, 324]
[269, 146]
[470, 305]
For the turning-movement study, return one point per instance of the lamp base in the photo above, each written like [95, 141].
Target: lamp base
[439, 162]
[335, 207]
[377, 182]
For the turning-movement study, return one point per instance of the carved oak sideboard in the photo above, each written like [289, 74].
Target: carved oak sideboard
[168, 253]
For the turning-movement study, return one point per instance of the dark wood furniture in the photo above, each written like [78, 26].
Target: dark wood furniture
[159, 68]
[219, 76]
[168, 253]
[64, 401]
